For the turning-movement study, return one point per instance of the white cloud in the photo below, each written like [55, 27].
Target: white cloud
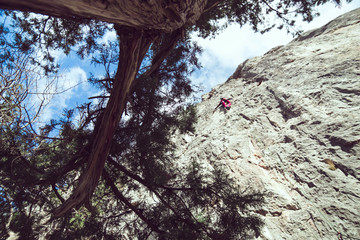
[58, 55]
[329, 12]
[71, 89]
[75, 77]
[108, 36]
[223, 54]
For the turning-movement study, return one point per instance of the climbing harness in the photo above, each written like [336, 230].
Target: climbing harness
[225, 103]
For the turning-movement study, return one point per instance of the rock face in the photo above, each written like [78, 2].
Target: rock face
[293, 132]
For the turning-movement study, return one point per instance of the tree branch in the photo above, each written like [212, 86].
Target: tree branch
[211, 6]
[133, 46]
[160, 15]
[165, 51]
[151, 188]
[57, 193]
[122, 198]
[99, 97]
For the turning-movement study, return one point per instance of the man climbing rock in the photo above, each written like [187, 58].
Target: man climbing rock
[224, 103]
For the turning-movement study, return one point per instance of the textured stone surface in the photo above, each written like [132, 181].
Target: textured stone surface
[293, 132]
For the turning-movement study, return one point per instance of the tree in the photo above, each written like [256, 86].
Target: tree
[21, 101]
[165, 16]
[140, 160]
[157, 31]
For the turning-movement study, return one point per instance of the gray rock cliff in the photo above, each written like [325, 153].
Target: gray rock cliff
[293, 132]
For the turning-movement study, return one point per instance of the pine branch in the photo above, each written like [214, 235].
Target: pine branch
[212, 6]
[122, 198]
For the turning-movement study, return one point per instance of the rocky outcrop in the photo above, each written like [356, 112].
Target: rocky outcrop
[293, 132]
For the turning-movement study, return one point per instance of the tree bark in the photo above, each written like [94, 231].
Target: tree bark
[137, 18]
[133, 46]
[161, 15]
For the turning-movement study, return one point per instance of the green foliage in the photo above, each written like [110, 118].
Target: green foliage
[262, 16]
[187, 119]
[54, 156]
[204, 206]
[22, 223]
[45, 33]
[144, 190]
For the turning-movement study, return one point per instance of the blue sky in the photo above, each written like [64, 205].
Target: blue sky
[219, 59]
[224, 53]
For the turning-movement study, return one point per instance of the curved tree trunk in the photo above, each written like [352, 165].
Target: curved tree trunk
[137, 20]
[133, 47]
[161, 15]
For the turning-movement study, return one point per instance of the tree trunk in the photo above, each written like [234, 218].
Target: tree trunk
[138, 19]
[161, 15]
[133, 46]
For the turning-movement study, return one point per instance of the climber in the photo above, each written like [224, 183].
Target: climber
[225, 103]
